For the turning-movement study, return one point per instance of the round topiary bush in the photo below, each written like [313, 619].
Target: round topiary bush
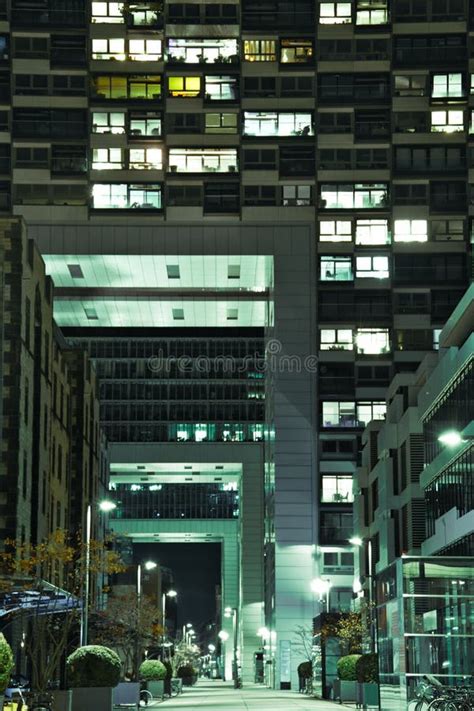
[152, 670]
[305, 670]
[186, 671]
[346, 667]
[367, 669]
[6, 663]
[93, 666]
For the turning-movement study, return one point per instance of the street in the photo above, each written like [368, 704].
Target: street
[221, 696]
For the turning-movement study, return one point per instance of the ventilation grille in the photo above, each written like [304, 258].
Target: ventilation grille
[418, 518]
[416, 457]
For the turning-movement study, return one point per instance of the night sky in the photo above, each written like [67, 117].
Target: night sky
[196, 571]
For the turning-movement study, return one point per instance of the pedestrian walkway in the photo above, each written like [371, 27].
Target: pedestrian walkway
[221, 696]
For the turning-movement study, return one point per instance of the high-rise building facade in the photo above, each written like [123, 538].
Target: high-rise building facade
[297, 169]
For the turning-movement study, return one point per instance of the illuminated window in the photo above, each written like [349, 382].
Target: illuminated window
[336, 339]
[296, 195]
[108, 122]
[367, 411]
[274, 123]
[336, 488]
[145, 159]
[371, 12]
[339, 414]
[107, 12]
[260, 50]
[107, 159]
[296, 51]
[335, 269]
[145, 124]
[335, 231]
[372, 232]
[447, 121]
[145, 50]
[447, 86]
[410, 230]
[350, 196]
[203, 160]
[145, 86]
[125, 197]
[335, 13]
[142, 14]
[221, 123]
[203, 51]
[188, 87]
[221, 88]
[372, 267]
[410, 85]
[372, 341]
[113, 48]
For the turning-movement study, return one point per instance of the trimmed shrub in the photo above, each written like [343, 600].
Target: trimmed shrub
[93, 666]
[6, 663]
[367, 669]
[305, 670]
[346, 667]
[186, 671]
[152, 670]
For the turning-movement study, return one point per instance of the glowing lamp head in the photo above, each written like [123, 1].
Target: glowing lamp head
[107, 506]
[452, 438]
[356, 541]
[150, 565]
[223, 636]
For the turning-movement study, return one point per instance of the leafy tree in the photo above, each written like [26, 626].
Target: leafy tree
[52, 615]
[129, 626]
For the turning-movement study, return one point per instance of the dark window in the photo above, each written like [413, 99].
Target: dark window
[297, 160]
[335, 122]
[259, 159]
[31, 84]
[410, 194]
[184, 13]
[221, 197]
[260, 195]
[185, 123]
[296, 86]
[260, 86]
[184, 195]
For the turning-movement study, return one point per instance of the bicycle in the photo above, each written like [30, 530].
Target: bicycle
[145, 697]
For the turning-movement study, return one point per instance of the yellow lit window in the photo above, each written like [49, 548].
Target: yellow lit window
[188, 87]
[260, 50]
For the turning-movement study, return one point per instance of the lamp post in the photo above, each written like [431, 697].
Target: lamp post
[223, 636]
[234, 613]
[322, 586]
[172, 594]
[358, 542]
[106, 507]
[149, 565]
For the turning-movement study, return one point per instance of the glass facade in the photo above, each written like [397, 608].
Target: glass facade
[425, 615]
[175, 501]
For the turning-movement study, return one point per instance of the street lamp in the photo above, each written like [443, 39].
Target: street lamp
[322, 586]
[453, 438]
[106, 507]
[148, 565]
[358, 542]
[172, 594]
[211, 648]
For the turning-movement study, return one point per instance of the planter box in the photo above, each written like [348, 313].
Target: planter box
[344, 690]
[156, 688]
[97, 698]
[62, 700]
[368, 695]
[127, 692]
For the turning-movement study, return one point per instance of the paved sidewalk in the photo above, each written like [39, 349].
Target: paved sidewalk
[221, 696]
